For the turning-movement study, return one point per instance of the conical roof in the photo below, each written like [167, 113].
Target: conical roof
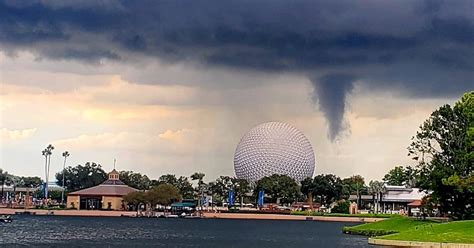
[111, 187]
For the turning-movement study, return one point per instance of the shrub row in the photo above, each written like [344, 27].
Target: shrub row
[369, 232]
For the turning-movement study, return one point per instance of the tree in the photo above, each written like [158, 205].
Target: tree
[135, 198]
[396, 176]
[328, 188]
[182, 183]
[444, 151]
[163, 194]
[307, 188]
[199, 177]
[135, 180]
[279, 187]
[30, 182]
[241, 188]
[376, 188]
[221, 187]
[354, 185]
[65, 155]
[3, 178]
[341, 207]
[80, 177]
[47, 154]
[401, 176]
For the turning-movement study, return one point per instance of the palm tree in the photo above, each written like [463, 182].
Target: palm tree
[65, 155]
[376, 188]
[47, 154]
[199, 176]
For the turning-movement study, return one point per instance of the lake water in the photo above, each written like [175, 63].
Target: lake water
[58, 231]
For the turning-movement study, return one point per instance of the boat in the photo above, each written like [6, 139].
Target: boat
[5, 219]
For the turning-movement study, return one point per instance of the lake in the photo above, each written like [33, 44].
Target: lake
[59, 231]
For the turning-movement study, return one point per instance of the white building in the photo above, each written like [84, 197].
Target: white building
[397, 198]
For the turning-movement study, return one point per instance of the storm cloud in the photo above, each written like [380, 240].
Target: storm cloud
[420, 48]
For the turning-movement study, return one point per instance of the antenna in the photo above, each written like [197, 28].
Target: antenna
[114, 163]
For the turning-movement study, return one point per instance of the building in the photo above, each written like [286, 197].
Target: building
[107, 195]
[395, 199]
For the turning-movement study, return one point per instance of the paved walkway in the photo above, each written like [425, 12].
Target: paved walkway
[287, 217]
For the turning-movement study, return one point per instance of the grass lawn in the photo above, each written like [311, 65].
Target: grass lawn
[452, 232]
[388, 226]
[402, 228]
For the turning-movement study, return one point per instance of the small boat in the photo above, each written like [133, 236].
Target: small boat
[5, 219]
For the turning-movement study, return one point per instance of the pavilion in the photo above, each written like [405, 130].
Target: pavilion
[107, 195]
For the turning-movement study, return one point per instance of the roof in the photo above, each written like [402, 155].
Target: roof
[183, 204]
[397, 188]
[406, 195]
[415, 203]
[362, 197]
[109, 188]
[113, 182]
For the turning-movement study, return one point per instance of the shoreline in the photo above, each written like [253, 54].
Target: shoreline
[206, 215]
[251, 216]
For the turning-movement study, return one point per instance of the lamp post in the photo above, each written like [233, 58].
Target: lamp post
[65, 155]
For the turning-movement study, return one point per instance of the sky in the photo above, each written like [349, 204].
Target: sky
[171, 86]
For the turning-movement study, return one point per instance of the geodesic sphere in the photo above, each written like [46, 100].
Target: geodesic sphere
[274, 148]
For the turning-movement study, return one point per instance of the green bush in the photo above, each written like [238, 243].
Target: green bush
[341, 207]
[369, 232]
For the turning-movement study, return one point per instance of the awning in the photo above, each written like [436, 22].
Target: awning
[415, 203]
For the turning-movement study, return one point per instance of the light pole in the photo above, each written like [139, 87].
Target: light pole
[65, 155]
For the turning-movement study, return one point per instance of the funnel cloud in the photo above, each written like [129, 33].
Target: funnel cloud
[330, 93]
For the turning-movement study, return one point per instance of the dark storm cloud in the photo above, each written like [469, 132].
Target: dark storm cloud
[330, 92]
[422, 48]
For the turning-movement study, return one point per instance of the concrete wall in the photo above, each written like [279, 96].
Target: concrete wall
[73, 201]
[115, 202]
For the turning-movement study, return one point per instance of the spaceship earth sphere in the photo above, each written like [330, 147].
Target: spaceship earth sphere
[274, 148]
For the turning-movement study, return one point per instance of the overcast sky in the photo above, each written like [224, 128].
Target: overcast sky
[171, 86]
